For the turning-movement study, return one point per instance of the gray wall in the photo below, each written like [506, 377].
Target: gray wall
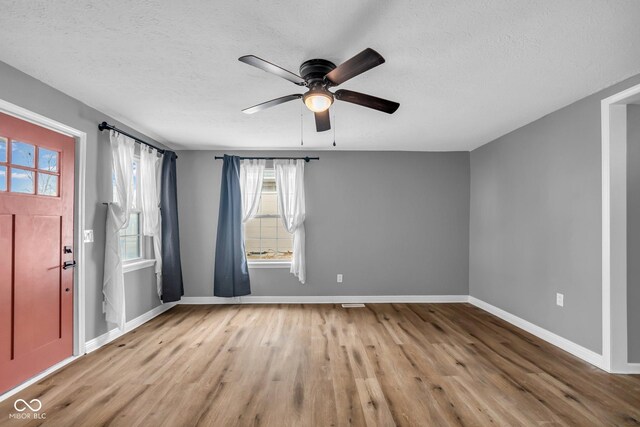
[393, 223]
[535, 222]
[27, 92]
[633, 232]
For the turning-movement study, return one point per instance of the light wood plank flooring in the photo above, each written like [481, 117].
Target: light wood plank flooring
[322, 365]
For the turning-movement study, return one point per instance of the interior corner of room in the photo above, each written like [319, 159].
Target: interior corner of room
[445, 243]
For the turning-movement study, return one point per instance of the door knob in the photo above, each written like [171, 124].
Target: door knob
[68, 264]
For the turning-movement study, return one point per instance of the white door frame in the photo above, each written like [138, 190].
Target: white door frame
[614, 232]
[79, 208]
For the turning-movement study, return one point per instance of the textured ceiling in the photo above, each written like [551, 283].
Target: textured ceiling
[464, 72]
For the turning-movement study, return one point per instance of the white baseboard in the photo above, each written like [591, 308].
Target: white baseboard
[37, 378]
[96, 343]
[330, 299]
[563, 343]
[630, 368]
[92, 345]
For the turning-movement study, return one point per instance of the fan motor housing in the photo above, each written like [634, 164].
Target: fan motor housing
[315, 69]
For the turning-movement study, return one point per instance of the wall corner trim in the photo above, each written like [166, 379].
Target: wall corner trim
[96, 343]
[569, 346]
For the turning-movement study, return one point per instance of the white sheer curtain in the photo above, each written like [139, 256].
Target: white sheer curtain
[118, 213]
[290, 188]
[251, 174]
[150, 201]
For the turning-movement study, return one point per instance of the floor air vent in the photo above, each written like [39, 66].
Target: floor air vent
[352, 305]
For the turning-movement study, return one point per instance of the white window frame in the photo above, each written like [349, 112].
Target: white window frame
[267, 263]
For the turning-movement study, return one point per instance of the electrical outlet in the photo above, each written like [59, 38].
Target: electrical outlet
[339, 279]
[88, 236]
[560, 300]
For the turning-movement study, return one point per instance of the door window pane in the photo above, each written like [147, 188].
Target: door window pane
[3, 150]
[3, 178]
[22, 181]
[47, 184]
[23, 154]
[47, 160]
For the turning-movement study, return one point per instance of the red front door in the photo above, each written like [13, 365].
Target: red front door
[36, 238]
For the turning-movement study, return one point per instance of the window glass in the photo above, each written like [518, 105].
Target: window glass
[3, 178]
[133, 226]
[23, 154]
[269, 204]
[130, 239]
[3, 150]
[131, 247]
[22, 181]
[47, 160]
[265, 236]
[47, 184]
[134, 165]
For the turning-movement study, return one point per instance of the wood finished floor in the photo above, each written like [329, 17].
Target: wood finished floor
[322, 365]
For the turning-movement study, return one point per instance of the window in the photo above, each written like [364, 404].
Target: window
[28, 169]
[266, 239]
[131, 238]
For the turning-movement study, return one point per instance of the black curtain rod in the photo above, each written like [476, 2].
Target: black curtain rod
[306, 159]
[104, 125]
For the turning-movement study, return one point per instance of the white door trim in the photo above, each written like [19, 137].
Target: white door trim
[79, 208]
[614, 231]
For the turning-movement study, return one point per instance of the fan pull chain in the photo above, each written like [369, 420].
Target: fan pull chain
[301, 126]
[334, 126]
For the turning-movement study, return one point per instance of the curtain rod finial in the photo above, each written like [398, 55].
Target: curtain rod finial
[102, 126]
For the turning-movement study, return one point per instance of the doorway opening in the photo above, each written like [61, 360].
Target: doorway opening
[620, 199]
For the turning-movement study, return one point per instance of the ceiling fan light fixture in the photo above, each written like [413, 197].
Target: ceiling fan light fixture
[318, 100]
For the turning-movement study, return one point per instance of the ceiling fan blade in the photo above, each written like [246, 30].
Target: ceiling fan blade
[272, 68]
[368, 101]
[271, 103]
[323, 122]
[364, 61]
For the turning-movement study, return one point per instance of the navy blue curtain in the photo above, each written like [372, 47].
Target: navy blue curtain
[172, 286]
[231, 275]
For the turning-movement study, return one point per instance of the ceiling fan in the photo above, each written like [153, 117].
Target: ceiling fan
[319, 75]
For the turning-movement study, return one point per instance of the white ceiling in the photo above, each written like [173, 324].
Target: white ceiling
[464, 72]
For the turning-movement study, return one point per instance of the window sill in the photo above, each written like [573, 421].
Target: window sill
[269, 264]
[137, 265]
